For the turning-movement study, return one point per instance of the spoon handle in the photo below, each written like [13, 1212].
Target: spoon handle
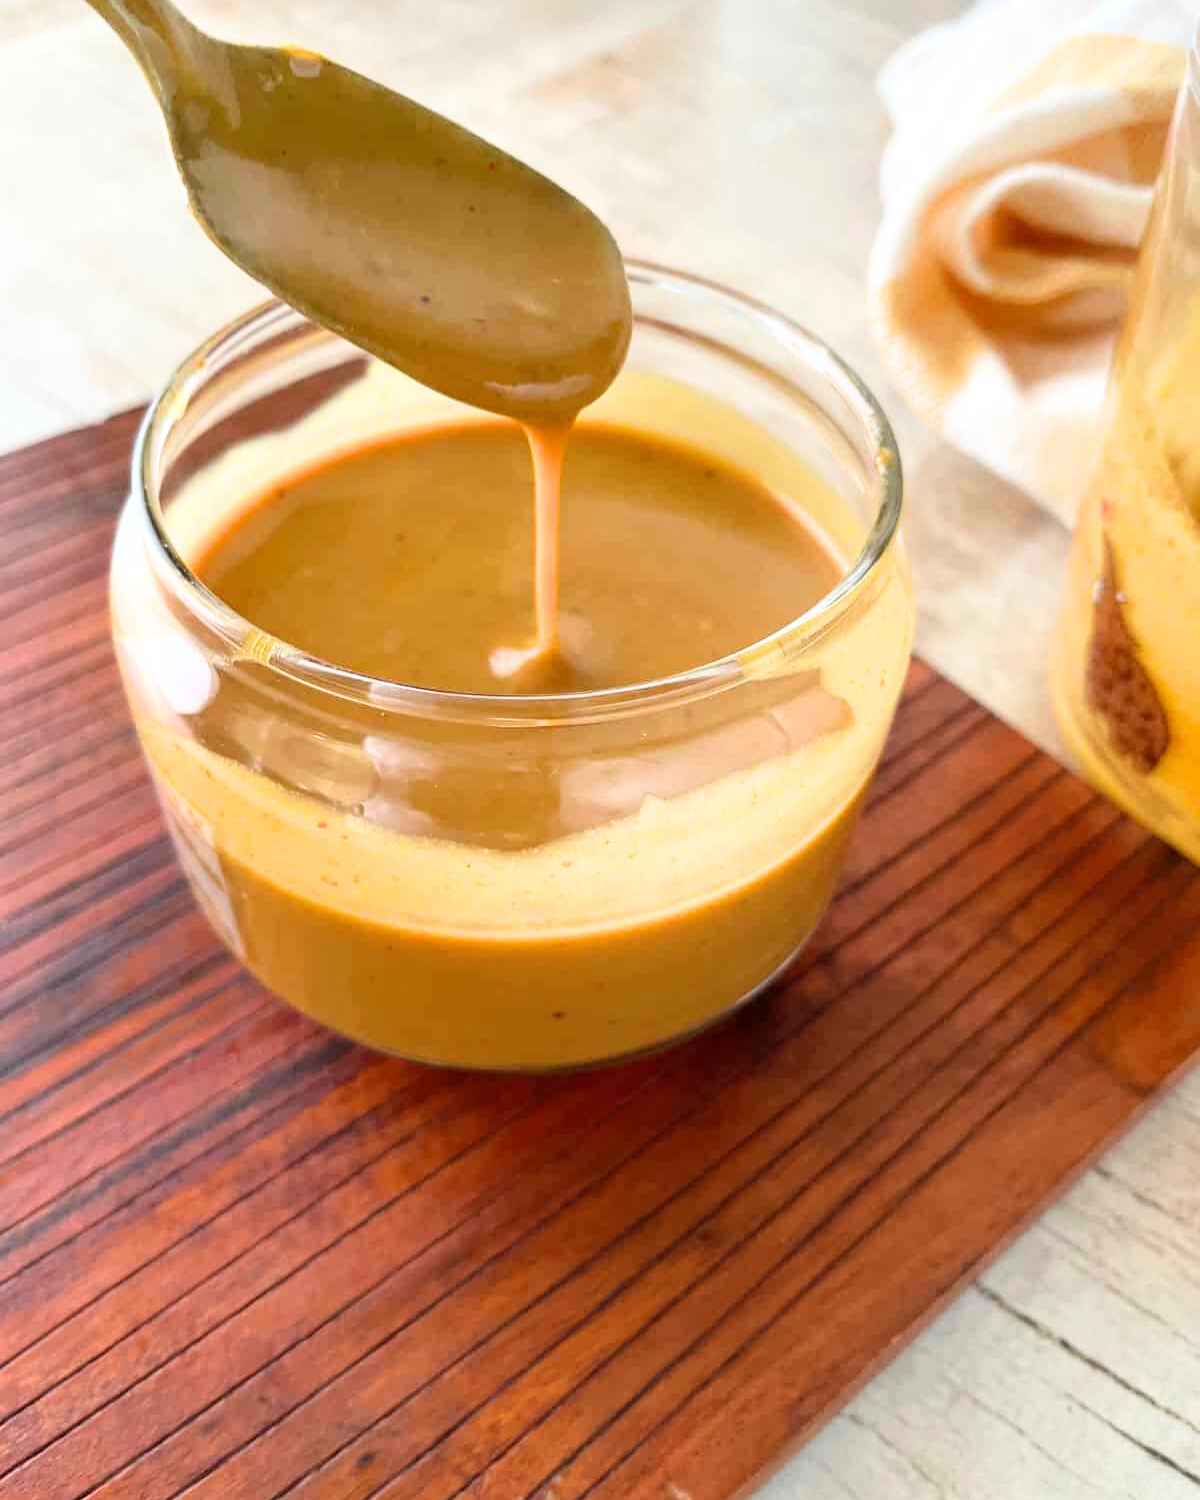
[153, 30]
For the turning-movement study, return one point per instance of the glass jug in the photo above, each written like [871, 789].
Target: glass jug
[1126, 669]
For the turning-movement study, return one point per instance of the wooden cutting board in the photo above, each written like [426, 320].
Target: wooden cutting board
[241, 1255]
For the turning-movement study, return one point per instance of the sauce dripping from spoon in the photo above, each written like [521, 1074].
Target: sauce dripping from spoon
[404, 233]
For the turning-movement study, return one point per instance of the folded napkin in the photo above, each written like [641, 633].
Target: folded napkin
[1016, 188]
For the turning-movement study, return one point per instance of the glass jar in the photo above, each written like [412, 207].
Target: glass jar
[699, 822]
[1126, 664]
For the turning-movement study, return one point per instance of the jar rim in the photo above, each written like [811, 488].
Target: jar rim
[760, 658]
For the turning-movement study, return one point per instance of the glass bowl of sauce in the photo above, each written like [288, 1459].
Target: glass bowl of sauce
[324, 586]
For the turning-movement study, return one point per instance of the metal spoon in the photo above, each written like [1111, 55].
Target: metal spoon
[386, 222]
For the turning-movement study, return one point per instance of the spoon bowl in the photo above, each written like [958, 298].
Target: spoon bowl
[386, 222]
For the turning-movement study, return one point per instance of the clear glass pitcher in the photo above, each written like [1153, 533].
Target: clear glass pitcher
[1126, 671]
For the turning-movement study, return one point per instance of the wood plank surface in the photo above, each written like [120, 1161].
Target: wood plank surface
[240, 1257]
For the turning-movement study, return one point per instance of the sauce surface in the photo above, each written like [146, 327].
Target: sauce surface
[414, 560]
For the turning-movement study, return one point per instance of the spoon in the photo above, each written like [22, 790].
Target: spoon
[387, 223]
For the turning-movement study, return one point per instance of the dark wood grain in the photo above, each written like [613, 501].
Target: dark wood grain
[241, 1257]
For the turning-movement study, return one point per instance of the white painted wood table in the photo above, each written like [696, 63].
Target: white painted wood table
[739, 138]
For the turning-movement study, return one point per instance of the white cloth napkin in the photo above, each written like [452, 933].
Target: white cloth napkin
[1016, 188]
